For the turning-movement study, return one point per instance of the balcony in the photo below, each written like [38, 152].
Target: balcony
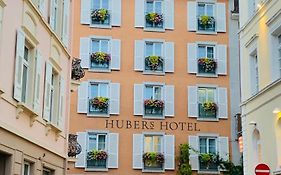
[209, 114]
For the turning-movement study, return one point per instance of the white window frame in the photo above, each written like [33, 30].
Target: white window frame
[89, 97]
[205, 8]
[153, 11]
[215, 89]
[110, 17]
[108, 52]
[255, 76]
[28, 168]
[153, 54]
[55, 87]
[207, 46]
[26, 63]
[208, 138]
[205, 13]
[279, 53]
[97, 134]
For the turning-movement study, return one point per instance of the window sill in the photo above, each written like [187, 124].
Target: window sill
[152, 171]
[153, 30]
[96, 169]
[207, 75]
[98, 115]
[100, 70]
[206, 33]
[208, 119]
[23, 108]
[154, 117]
[100, 26]
[153, 73]
[208, 172]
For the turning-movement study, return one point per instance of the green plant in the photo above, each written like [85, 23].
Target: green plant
[97, 155]
[232, 169]
[100, 15]
[206, 20]
[184, 166]
[153, 61]
[150, 158]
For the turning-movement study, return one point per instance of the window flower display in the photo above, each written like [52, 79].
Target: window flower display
[154, 18]
[100, 15]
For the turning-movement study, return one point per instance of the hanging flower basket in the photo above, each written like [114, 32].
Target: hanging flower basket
[154, 62]
[153, 159]
[100, 103]
[208, 65]
[97, 155]
[210, 106]
[100, 58]
[206, 20]
[100, 15]
[154, 18]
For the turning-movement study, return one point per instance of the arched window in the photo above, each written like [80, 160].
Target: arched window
[257, 146]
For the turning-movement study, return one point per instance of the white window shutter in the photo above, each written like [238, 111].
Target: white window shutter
[222, 59]
[223, 148]
[85, 17]
[85, 52]
[47, 92]
[192, 101]
[169, 152]
[222, 103]
[19, 64]
[169, 56]
[113, 146]
[191, 15]
[169, 14]
[137, 151]
[52, 14]
[116, 12]
[66, 26]
[82, 105]
[169, 100]
[221, 17]
[139, 55]
[139, 13]
[38, 73]
[192, 58]
[62, 103]
[138, 99]
[115, 54]
[114, 103]
[81, 158]
[193, 142]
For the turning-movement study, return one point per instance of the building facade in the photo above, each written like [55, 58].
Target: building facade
[260, 41]
[34, 97]
[157, 76]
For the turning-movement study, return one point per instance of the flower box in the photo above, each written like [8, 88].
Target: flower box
[207, 110]
[154, 18]
[207, 65]
[154, 63]
[209, 161]
[206, 23]
[153, 160]
[153, 107]
[100, 15]
[96, 159]
[100, 104]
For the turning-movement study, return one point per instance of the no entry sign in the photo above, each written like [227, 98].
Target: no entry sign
[262, 169]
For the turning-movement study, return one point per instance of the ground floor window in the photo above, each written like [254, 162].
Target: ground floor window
[208, 152]
[4, 164]
[47, 171]
[27, 168]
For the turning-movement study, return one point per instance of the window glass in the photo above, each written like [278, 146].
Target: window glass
[24, 83]
[96, 4]
[95, 46]
[94, 90]
[103, 89]
[158, 49]
[201, 9]
[148, 92]
[105, 4]
[203, 145]
[157, 93]
[92, 142]
[279, 39]
[148, 142]
[101, 144]
[201, 52]
[210, 52]
[157, 143]
[104, 46]
[149, 6]
[26, 170]
[149, 49]
[209, 10]
[158, 7]
[206, 94]
[26, 53]
[152, 143]
[212, 146]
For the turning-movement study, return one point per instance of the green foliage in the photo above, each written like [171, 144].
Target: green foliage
[231, 168]
[184, 166]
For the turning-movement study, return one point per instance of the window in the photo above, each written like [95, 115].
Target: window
[26, 168]
[99, 98]
[153, 144]
[154, 14]
[254, 74]
[47, 171]
[54, 96]
[279, 54]
[100, 57]
[5, 164]
[153, 100]
[54, 13]
[252, 7]
[206, 61]
[1, 18]
[207, 102]
[97, 142]
[100, 14]
[208, 145]
[153, 57]
[206, 20]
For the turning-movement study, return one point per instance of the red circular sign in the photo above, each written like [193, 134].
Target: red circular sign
[262, 169]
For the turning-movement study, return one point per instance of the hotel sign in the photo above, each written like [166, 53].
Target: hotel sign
[151, 125]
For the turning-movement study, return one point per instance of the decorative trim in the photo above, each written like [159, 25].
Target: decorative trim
[100, 37]
[154, 83]
[23, 108]
[30, 36]
[97, 131]
[208, 135]
[251, 40]
[2, 3]
[55, 64]
[154, 40]
[207, 1]
[154, 133]
[273, 18]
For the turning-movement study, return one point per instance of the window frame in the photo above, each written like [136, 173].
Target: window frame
[162, 86]
[206, 46]
[100, 48]
[215, 100]
[29, 168]
[208, 138]
[254, 75]
[153, 28]
[55, 94]
[205, 13]
[97, 133]
[47, 170]
[89, 114]
[153, 54]
[109, 25]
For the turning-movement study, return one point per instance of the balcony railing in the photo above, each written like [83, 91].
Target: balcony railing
[206, 114]
[211, 167]
[96, 164]
[74, 148]
[149, 111]
[208, 27]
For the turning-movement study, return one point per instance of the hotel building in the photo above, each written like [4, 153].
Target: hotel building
[34, 86]
[260, 46]
[146, 82]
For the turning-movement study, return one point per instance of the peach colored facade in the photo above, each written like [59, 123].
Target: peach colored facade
[181, 126]
[30, 141]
